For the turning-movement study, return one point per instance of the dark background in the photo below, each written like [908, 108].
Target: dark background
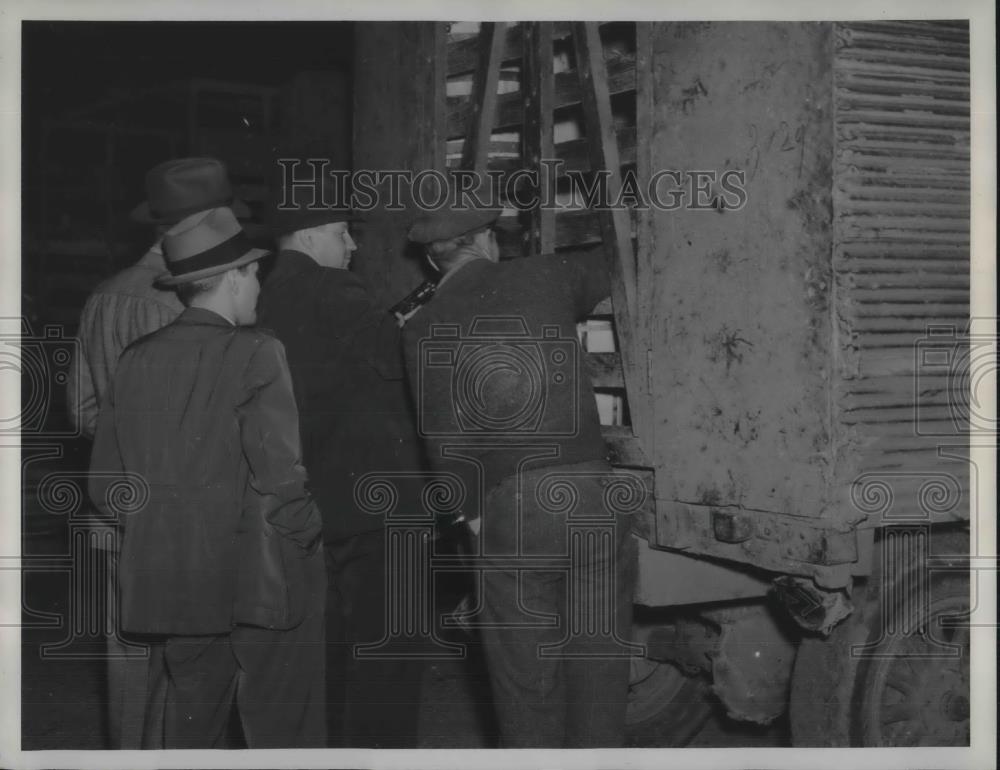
[94, 94]
[68, 64]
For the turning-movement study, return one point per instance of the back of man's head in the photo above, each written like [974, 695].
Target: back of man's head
[198, 292]
[446, 254]
[211, 264]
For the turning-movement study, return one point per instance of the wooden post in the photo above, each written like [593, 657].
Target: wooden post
[615, 225]
[646, 281]
[399, 102]
[537, 138]
[603, 145]
[483, 99]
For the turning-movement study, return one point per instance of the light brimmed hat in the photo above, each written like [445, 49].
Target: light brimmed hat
[206, 244]
[184, 186]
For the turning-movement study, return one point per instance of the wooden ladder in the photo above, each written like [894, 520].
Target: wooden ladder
[628, 368]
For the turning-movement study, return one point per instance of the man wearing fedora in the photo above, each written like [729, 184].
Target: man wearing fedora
[120, 310]
[344, 354]
[513, 429]
[221, 562]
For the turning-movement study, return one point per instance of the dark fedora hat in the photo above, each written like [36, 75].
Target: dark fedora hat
[184, 186]
[307, 205]
[205, 244]
[445, 224]
[467, 210]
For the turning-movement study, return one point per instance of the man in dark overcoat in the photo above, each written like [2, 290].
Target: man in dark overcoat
[503, 401]
[197, 451]
[346, 361]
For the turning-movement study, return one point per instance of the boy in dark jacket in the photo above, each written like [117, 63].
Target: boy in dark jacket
[221, 563]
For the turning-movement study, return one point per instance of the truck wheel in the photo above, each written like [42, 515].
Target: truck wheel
[666, 708]
[907, 686]
[913, 688]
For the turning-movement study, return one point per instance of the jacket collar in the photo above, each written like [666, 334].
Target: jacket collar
[295, 265]
[463, 271]
[291, 262]
[199, 316]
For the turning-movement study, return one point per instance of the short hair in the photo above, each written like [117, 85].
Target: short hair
[186, 292]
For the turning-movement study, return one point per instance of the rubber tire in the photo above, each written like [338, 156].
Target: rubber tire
[930, 724]
[666, 707]
[830, 685]
[822, 687]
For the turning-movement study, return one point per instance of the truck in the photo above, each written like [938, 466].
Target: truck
[794, 369]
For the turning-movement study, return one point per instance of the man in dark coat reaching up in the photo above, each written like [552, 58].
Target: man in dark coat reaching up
[345, 356]
[503, 402]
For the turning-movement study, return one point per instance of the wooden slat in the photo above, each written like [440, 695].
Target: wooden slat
[484, 97]
[538, 136]
[605, 370]
[463, 55]
[573, 228]
[510, 107]
[574, 154]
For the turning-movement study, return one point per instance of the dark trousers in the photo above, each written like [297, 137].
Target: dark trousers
[128, 671]
[275, 679]
[556, 640]
[371, 702]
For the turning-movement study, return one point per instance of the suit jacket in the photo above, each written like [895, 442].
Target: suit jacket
[346, 360]
[221, 531]
[119, 311]
[526, 390]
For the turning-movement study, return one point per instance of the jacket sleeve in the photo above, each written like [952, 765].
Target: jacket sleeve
[106, 466]
[269, 431]
[349, 309]
[108, 324]
[81, 397]
[82, 400]
[584, 275]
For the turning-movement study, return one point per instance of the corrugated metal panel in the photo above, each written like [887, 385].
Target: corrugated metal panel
[901, 245]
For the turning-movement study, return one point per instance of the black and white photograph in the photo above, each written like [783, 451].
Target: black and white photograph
[475, 385]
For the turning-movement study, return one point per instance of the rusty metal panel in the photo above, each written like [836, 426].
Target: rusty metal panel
[901, 267]
[742, 342]
[809, 348]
